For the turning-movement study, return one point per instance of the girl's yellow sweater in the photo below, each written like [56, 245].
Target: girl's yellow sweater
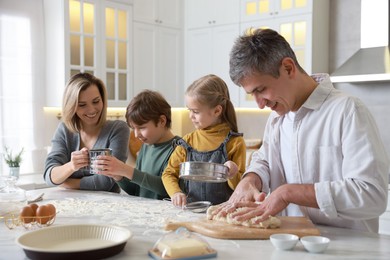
[205, 140]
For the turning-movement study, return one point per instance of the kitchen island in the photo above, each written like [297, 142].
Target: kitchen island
[146, 219]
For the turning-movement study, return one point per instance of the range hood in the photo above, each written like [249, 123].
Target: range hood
[372, 61]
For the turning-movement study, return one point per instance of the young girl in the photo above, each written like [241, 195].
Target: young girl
[149, 115]
[216, 139]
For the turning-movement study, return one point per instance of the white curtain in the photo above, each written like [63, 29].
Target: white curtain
[22, 82]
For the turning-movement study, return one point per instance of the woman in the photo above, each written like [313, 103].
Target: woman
[84, 127]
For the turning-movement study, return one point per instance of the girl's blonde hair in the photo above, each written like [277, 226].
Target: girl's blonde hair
[77, 83]
[212, 91]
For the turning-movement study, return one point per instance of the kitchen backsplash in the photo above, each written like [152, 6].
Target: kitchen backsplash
[251, 122]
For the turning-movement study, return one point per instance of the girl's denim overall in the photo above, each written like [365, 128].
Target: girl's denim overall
[216, 193]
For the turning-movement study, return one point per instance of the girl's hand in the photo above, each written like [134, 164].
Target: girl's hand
[233, 168]
[179, 199]
[79, 159]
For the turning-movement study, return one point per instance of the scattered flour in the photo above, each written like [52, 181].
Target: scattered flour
[123, 211]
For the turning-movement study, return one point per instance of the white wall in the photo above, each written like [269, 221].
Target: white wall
[344, 42]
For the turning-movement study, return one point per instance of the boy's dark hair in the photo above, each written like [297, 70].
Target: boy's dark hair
[147, 106]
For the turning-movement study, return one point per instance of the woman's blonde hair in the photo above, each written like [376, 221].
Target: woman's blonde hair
[211, 90]
[77, 83]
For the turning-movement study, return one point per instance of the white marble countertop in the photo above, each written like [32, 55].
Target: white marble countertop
[146, 218]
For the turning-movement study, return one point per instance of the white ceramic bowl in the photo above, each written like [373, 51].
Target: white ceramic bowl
[284, 241]
[315, 244]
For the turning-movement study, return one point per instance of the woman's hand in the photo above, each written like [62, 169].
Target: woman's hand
[79, 159]
[179, 199]
[233, 168]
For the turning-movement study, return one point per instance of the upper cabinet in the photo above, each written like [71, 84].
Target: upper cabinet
[254, 10]
[163, 12]
[203, 13]
[303, 23]
[89, 36]
[210, 34]
[167, 44]
[116, 66]
[158, 48]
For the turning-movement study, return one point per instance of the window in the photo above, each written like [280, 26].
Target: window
[22, 82]
[102, 25]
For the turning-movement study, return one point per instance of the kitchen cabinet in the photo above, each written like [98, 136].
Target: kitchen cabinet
[158, 48]
[203, 13]
[303, 23]
[160, 12]
[57, 51]
[89, 36]
[158, 61]
[254, 10]
[208, 44]
[207, 52]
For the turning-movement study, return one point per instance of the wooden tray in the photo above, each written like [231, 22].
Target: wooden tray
[300, 226]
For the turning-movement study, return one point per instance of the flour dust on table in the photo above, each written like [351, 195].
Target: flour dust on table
[123, 212]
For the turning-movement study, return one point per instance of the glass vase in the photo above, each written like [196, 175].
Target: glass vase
[14, 172]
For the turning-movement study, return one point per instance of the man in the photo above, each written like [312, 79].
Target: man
[322, 156]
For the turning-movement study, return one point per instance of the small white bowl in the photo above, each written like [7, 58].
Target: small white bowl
[315, 244]
[284, 241]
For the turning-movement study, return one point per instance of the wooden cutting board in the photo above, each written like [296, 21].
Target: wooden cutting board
[300, 226]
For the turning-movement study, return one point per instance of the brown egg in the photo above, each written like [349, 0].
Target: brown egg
[43, 214]
[27, 214]
[52, 209]
[34, 206]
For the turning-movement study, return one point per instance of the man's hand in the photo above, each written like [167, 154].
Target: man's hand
[248, 189]
[247, 192]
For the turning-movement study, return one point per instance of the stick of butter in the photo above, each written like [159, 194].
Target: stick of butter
[182, 247]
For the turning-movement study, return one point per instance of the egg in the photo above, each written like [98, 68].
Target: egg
[34, 206]
[52, 209]
[45, 213]
[27, 214]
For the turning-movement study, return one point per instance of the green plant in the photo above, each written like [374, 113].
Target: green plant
[12, 161]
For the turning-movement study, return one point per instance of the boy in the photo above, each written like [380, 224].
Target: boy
[149, 115]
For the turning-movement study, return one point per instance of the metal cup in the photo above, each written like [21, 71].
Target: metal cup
[93, 154]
